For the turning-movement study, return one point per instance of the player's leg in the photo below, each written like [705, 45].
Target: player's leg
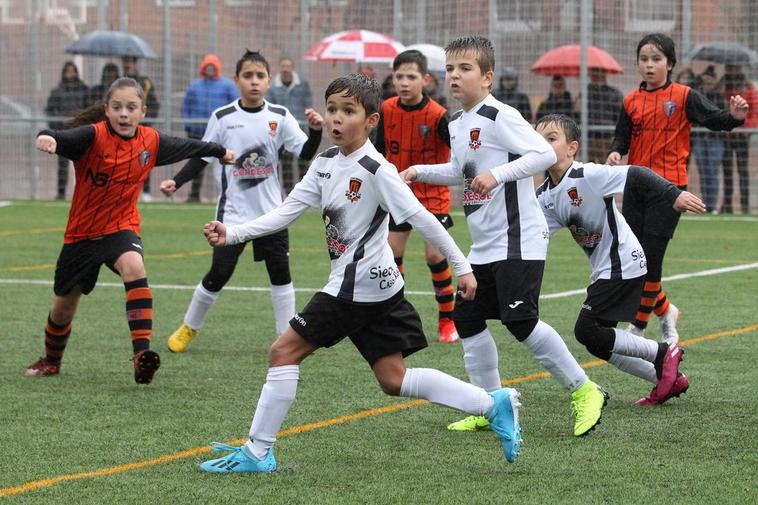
[444, 293]
[57, 332]
[205, 295]
[394, 330]
[274, 249]
[276, 398]
[518, 289]
[139, 305]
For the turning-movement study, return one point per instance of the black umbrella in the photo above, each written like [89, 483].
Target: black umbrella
[728, 53]
[109, 43]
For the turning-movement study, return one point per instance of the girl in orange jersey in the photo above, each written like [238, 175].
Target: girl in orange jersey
[654, 129]
[112, 158]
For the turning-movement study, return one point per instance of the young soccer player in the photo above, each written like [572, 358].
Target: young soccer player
[654, 129]
[112, 158]
[580, 197]
[249, 188]
[413, 130]
[356, 189]
[495, 153]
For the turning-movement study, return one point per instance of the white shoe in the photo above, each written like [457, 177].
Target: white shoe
[145, 197]
[635, 330]
[668, 325]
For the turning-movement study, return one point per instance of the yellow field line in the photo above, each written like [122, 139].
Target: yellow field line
[303, 428]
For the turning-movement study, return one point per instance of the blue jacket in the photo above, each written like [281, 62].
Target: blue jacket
[205, 95]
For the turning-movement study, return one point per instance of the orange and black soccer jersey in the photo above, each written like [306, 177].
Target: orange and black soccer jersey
[110, 170]
[414, 135]
[654, 127]
[109, 178]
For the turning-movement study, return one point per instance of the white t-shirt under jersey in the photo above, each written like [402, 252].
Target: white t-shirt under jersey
[355, 194]
[583, 202]
[507, 223]
[250, 187]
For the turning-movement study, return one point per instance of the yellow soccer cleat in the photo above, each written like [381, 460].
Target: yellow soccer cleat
[181, 338]
[587, 405]
[471, 423]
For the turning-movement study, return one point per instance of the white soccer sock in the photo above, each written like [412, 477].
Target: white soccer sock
[277, 396]
[443, 389]
[629, 344]
[202, 301]
[283, 300]
[481, 361]
[634, 366]
[550, 350]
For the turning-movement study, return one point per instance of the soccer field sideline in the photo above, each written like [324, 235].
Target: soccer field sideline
[189, 453]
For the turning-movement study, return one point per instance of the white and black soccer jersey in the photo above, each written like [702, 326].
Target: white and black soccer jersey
[506, 223]
[250, 187]
[583, 202]
[356, 193]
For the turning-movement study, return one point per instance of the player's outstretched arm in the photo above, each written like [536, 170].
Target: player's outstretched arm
[46, 143]
[215, 232]
[686, 201]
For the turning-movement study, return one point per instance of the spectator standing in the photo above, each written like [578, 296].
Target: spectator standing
[508, 93]
[98, 92]
[294, 93]
[708, 147]
[65, 99]
[603, 105]
[203, 96]
[736, 148]
[558, 100]
[151, 101]
[432, 89]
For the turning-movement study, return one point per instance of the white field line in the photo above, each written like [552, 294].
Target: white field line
[549, 296]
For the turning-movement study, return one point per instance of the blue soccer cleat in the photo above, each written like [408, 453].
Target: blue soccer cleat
[239, 461]
[503, 418]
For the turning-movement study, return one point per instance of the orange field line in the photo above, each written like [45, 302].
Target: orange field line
[303, 428]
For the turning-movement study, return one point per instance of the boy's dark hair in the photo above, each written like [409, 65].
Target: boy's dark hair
[365, 90]
[481, 46]
[411, 56]
[565, 123]
[254, 57]
[663, 42]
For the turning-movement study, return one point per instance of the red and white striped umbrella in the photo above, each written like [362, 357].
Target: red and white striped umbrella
[355, 46]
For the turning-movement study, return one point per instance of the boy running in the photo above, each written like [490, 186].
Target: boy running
[580, 197]
[495, 153]
[413, 130]
[357, 188]
[249, 188]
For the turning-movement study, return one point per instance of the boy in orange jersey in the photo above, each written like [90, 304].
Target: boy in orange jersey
[413, 130]
[654, 130]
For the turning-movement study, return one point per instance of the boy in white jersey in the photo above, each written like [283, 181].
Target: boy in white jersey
[357, 189]
[491, 141]
[249, 188]
[580, 197]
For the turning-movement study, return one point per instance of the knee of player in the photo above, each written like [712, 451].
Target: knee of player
[585, 331]
[390, 385]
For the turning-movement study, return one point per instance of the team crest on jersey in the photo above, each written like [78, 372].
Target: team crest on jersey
[669, 108]
[144, 157]
[272, 127]
[474, 143]
[576, 200]
[425, 131]
[353, 192]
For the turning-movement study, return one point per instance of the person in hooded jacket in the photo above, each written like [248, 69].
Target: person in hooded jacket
[203, 96]
[64, 101]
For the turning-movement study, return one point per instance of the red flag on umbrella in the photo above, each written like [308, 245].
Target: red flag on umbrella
[355, 46]
[565, 61]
